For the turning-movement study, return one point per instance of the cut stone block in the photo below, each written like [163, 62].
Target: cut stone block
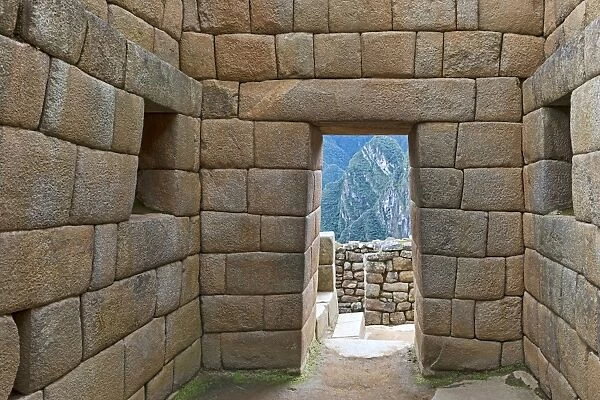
[429, 55]
[166, 48]
[251, 350]
[99, 378]
[327, 249]
[515, 16]
[280, 192]
[220, 99]
[172, 20]
[360, 15]
[170, 141]
[512, 353]
[295, 58]
[197, 52]
[433, 145]
[436, 276]
[9, 354]
[489, 144]
[586, 312]
[514, 276]
[416, 15]
[227, 143]
[21, 105]
[521, 55]
[472, 54]
[586, 187]
[229, 16]
[36, 179]
[109, 314]
[183, 327]
[132, 27]
[467, 14]
[232, 313]
[505, 234]
[211, 351]
[350, 325]
[480, 278]
[159, 387]
[289, 311]
[436, 187]
[39, 267]
[172, 192]
[9, 11]
[104, 52]
[224, 190]
[57, 27]
[144, 354]
[546, 135]
[435, 316]
[168, 288]
[388, 54]
[73, 100]
[104, 187]
[494, 189]
[229, 232]
[190, 288]
[286, 234]
[463, 318]
[242, 57]
[149, 10]
[212, 273]
[271, 16]
[499, 99]
[498, 320]
[311, 16]
[187, 364]
[105, 256]
[129, 123]
[547, 186]
[337, 55]
[297, 145]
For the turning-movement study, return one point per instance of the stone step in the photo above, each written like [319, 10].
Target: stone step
[327, 312]
[350, 325]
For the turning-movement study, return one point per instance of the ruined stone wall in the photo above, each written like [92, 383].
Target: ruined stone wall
[562, 238]
[377, 278]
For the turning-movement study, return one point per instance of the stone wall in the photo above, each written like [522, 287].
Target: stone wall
[377, 278]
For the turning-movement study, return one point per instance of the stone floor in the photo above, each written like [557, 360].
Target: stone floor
[379, 366]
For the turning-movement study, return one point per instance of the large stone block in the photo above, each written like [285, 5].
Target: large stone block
[586, 187]
[73, 100]
[489, 144]
[360, 15]
[388, 54]
[227, 143]
[57, 27]
[109, 314]
[220, 99]
[572, 365]
[104, 52]
[547, 186]
[416, 15]
[290, 311]
[144, 354]
[286, 234]
[160, 83]
[435, 316]
[50, 344]
[515, 16]
[36, 179]
[494, 189]
[280, 192]
[211, 354]
[197, 55]
[183, 327]
[442, 353]
[429, 53]
[521, 55]
[105, 256]
[190, 288]
[128, 123]
[168, 288]
[166, 48]
[224, 190]
[21, 105]
[170, 141]
[311, 16]
[433, 145]
[104, 187]
[268, 273]
[592, 373]
[150, 10]
[514, 276]
[480, 278]
[161, 386]
[337, 55]
[499, 99]
[212, 273]
[271, 16]
[272, 350]
[546, 135]
[505, 234]
[586, 312]
[9, 11]
[324, 100]
[472, 54]
[498, 320]
[436, 276]
[295, 58]
[9, 354]
[327, 248]
[172, 20]
[229, 16]
[232, 313]
[242, 57]
[150, 241]
[39, 267]
[169, 191]
[436, 187]
[467, 14]
[99, 378]
[451, 232]
[585, 120]
[187, 364]
[132, 27]
[463, 318]
[229, 232]
[191, 21]
[287, 145]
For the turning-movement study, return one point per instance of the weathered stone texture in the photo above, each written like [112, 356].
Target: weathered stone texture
[232, 313]
[521, 55]
[43, 266]
[183, 327]
[211, 351]
[271, 16]
[546, 135]
[517, 16]
[435, 316]
[191, 21]
[286, 234]
[505, 234]
[229, 16]
[488, 144]
[166, 48]
[299, 145]
[9, 11]
[50, 344]
[471, 54]
[56, 26]
[229, 233]
[197, 52]
[438, 15]
[128, 123]
[480, 278]
[360, 15]
[172, 20]
[149, 10]
[224, 190]
[499, 99]
[170, 191]
[227, 144]
[187, 364]
[220, 99]
[337, 55]
[494, 189]
[242, 57]
[498, 320]
[99, 378]
[295, 55]
[547, 185]
[133, 28]
[247, 350]
[144, 354]
[463, 318]
[586, 187]
[436, 187]
[388, 54]
[111, 313]
[585, 120]
[168, 288]
[436, 276]
[429, 53]
[161, 385]
[9, 355]
[190, 288]
[21, 105]
[433, 145]
[290, 192]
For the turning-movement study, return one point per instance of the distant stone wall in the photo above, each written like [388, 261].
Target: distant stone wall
[377, 278]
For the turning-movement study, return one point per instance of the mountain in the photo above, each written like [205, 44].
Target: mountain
[365, 195]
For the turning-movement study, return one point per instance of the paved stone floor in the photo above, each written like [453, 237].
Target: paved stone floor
[380, 367]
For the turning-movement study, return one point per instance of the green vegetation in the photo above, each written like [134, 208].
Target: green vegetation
[450, 379]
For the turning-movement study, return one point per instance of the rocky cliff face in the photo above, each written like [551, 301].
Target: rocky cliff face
[370, 200]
